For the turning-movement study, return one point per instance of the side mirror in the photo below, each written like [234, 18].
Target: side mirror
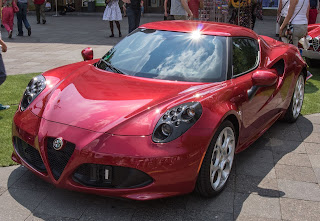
[265, 77]
[87, 54]
[262, 78]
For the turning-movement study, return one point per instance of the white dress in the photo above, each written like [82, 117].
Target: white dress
[112, 11]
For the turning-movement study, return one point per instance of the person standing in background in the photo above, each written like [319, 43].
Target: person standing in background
[241, 13]
[180, 10]
[313, 12]
[7, 15]
[3, 75]
[47, 6]
[22, 17]
[298, 14]
[133, 10]
[167, 7]
[142, 7]
[40, 5]
[282, 13]
[318, 16]
[194, 6]
[113, 13]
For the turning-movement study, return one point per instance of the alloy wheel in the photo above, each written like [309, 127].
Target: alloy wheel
[222, 158]
[298, 97]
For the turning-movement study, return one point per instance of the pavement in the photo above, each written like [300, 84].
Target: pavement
[277, 178]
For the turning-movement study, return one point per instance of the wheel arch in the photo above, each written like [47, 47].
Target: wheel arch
[232, 116]
[234, 120]
[305, 72]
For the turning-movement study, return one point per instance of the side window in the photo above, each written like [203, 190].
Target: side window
[245, 55]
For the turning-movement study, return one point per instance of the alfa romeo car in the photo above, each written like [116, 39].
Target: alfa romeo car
[163, 113]
[310, 45]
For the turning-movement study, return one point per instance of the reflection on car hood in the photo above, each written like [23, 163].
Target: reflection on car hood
[97, 100]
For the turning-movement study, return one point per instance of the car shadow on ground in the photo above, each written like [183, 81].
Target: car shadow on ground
[255, 187]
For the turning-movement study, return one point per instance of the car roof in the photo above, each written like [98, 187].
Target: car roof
[207, 28]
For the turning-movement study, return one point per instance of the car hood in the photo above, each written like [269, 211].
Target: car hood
[100, 101]
[314, 30]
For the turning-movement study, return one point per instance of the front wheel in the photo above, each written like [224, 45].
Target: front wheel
[217, 163]
[295, 106]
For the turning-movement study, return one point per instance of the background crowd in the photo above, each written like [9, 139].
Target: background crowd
[294, 17]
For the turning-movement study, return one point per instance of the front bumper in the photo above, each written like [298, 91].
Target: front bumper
[310, 54]
[168, 169]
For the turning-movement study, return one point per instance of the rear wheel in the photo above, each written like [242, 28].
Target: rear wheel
[217, 163]
[294, 109]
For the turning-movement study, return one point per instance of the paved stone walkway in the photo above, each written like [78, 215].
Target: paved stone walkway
[277, 178]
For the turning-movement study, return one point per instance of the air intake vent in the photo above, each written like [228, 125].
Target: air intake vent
[58, 159]
[106, 176]
[29, 154]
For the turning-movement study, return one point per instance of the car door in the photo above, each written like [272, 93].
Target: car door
[259, 110]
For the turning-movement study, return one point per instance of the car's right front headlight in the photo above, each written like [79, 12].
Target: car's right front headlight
[176, 121]
[34, 88]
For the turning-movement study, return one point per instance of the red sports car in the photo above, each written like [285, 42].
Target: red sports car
[310, 45]
[161, 114]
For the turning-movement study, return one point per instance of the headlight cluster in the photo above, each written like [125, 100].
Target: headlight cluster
[176, 121]
[34, 88]
[316, 43]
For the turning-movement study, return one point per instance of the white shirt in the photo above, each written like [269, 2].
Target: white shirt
[285, 7]
[299, 16]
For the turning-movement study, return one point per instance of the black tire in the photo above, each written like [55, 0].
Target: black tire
[293, 110]
[205, 186]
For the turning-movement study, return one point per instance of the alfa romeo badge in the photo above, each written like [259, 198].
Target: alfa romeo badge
[58, 143]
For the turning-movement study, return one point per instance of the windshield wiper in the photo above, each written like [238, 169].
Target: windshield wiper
[114, 69]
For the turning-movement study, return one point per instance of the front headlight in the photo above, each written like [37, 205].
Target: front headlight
[34, 88]
[316, 43]
[176, 121]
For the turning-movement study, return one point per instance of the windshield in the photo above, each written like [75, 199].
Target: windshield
[169, 56]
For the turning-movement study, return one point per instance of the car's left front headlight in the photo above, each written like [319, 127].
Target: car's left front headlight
[176, 121]
[34, 88]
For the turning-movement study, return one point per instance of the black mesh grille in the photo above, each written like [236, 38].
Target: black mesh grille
[29, 154]
[94, 175]
[58, 159]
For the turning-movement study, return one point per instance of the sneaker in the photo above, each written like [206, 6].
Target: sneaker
[111, 36]
[20, 34]
[10, 34]
[38, 22]
[44, 21]
[120, 35]
[2, 26]
[4, 107]
[29, 31]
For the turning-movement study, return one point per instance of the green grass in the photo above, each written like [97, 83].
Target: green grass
[12, 89]
[311, 103]
[10, 93]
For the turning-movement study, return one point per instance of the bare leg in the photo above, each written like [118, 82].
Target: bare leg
[111, 27]
[118, 26]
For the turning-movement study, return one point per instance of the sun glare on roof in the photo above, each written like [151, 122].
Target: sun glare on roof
[196, 35]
